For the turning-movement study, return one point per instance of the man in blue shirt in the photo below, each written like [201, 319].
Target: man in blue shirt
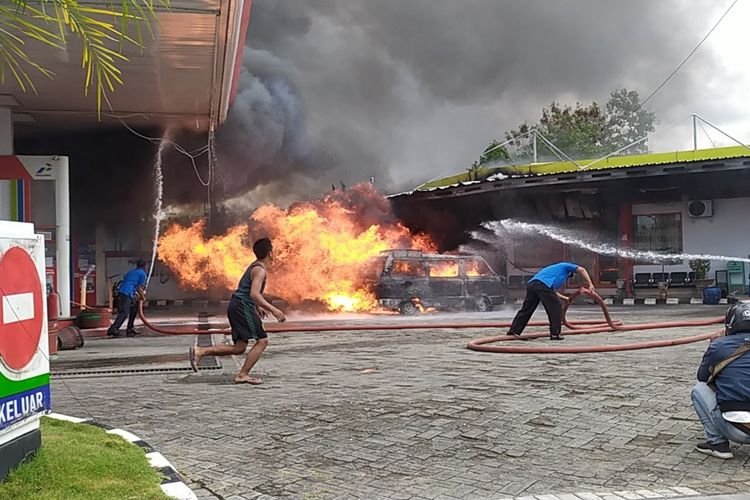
[131, 287]
[542, 287]
[724, 406]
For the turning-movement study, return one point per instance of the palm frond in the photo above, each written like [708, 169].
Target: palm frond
[104, 33]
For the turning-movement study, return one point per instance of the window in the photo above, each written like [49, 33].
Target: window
[659, 233]
[444, 269]
[408, 268]
[477, 268]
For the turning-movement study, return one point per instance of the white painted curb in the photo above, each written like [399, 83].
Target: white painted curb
[172, 486]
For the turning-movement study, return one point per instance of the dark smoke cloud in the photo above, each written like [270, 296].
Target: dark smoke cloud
[406, 90]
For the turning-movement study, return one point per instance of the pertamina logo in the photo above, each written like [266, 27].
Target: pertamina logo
[45, 171]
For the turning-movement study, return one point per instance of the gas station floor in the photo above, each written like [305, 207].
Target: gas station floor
[412, 414]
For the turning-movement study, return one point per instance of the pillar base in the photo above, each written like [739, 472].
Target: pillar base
[18, 450]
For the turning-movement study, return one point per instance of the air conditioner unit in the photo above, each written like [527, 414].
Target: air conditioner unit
[700, 208]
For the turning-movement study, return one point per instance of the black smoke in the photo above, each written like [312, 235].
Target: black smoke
[404, 91]
[341, 91]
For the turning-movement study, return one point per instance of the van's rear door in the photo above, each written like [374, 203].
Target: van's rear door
[481, 280]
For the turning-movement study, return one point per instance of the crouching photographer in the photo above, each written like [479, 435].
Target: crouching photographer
[721, 398]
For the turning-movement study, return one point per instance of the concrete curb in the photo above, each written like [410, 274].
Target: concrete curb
[673, 492]
[172, 485]
[650, 301]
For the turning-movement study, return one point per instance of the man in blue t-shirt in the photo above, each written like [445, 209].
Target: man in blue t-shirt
[542, 287]
[132, 286]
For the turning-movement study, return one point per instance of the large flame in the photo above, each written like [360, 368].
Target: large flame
[323, 250]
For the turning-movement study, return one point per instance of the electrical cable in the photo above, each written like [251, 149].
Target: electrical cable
[656, 90]
[155, 140]
[178, 148]
[673, 73]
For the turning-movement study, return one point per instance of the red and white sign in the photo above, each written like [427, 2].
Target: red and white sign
[22, 313]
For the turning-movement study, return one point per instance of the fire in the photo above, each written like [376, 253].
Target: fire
[446, 269]
[322, 249]
[421, 306]
[193, 258]
[476, 268]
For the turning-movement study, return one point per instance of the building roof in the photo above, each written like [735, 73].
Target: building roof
[510, 177]
[561, 167]
[186, 71]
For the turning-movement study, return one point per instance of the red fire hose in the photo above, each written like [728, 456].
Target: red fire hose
[303, 327]
[611, 326]
[579, 327]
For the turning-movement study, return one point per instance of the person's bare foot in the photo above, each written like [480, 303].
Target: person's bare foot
[194, 355]
[247, 379]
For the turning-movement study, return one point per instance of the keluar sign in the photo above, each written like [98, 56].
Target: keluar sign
[24, 347]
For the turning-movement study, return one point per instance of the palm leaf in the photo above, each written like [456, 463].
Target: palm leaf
[102, 31]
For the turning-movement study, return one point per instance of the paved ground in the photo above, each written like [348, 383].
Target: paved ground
[414, 414]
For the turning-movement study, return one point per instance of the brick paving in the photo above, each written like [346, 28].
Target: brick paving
[416, 415]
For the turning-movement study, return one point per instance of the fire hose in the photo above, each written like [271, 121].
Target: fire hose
[303, 327]
[607, 326]
[578, 327]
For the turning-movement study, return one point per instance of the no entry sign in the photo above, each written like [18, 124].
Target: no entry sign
[21, 310]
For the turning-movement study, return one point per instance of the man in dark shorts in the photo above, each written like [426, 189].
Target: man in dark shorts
[542, 287]
[246, 311]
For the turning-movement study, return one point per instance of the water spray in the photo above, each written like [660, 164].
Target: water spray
[503, 228]
[158, 212]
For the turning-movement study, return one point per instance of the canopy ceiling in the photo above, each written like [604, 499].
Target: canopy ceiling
[187, 69]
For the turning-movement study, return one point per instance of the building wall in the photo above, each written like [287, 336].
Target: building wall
[721, 234]
[5, 204]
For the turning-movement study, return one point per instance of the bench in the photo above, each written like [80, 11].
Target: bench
[660, 278]
[642, 280]
[678, 279]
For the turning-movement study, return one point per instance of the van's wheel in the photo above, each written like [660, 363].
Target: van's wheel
[407, 308]
[483, 304]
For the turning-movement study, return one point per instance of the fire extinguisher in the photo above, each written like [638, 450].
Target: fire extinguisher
[53, 305]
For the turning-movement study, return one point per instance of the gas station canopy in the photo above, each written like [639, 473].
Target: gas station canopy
[187, 69]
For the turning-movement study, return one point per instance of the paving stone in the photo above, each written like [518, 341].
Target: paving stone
[434, 421]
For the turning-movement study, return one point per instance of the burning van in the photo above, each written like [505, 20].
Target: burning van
[411, 280]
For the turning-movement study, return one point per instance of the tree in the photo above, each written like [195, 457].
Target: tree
[104, 32]
[627, 122]
[586, 131]
[492, 154]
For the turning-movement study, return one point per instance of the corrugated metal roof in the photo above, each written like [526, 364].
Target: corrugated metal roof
[552, 168]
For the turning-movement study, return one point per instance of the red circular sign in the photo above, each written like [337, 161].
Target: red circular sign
[21, 308]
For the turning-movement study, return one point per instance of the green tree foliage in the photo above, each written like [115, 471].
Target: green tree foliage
[585, 131]
[627, 122]
[700, 267]
[104, 30]
[492, 155]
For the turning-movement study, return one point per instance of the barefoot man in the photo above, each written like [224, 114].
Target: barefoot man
[246, 309]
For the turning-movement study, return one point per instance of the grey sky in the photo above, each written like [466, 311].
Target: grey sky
[406, 90]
